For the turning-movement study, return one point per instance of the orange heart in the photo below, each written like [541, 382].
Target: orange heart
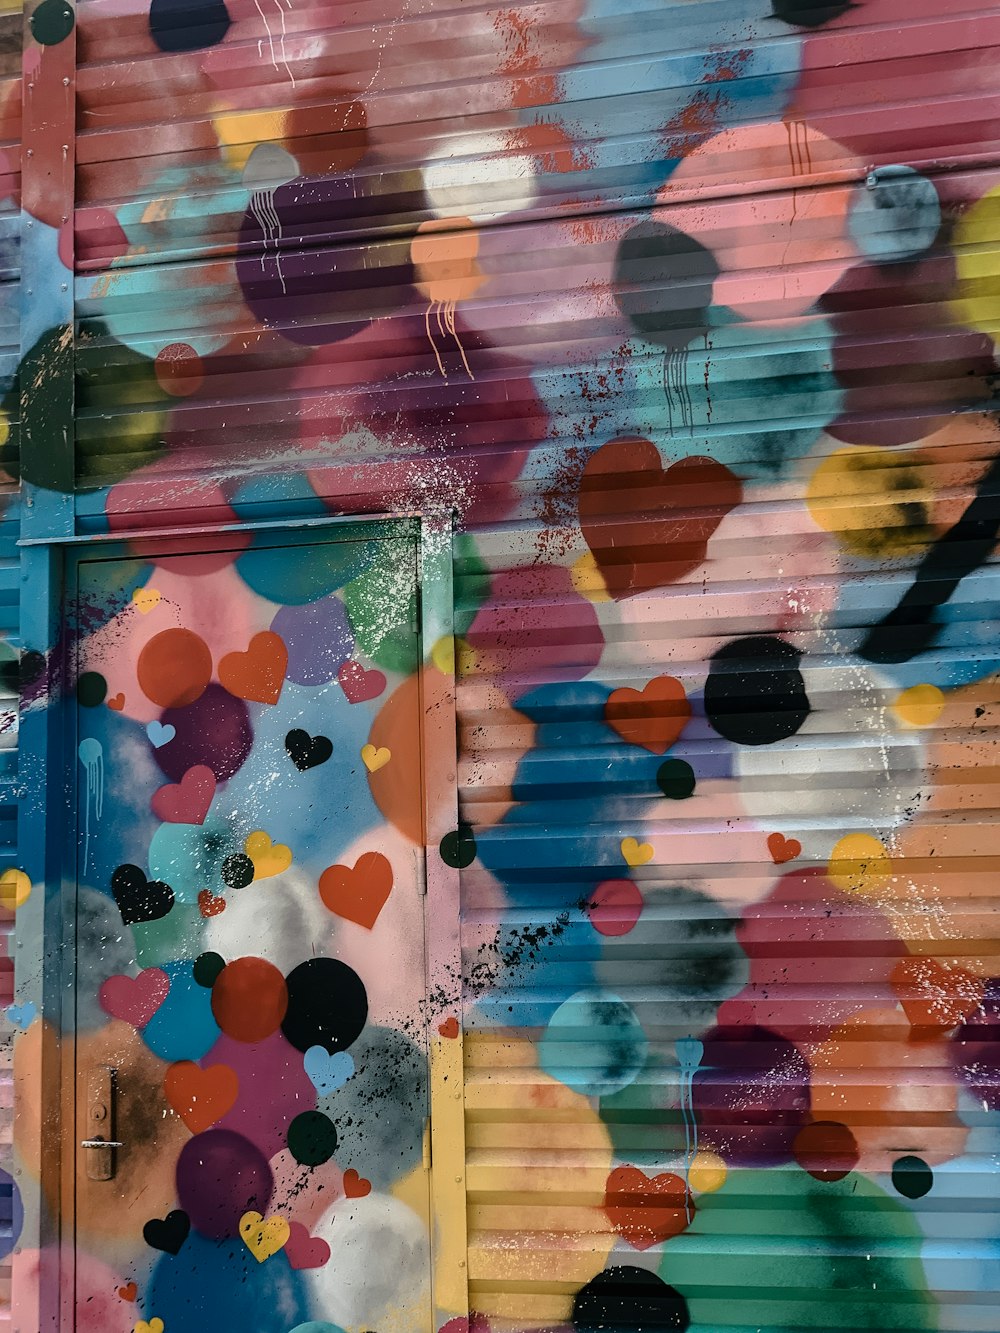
[357, 894]
[201, 1097]
[652, 717]
[209, 904]
[117, 702]
[355, 1186]
[935, 996]
[258, 674]
[128, 1292]
[645, 1210]
[783, 849]
[449, 1028]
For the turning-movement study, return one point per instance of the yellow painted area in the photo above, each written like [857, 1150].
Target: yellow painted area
[860, 864]
[443, 654]
[448, 1180]
[239, 133]
[977, 253]
[145, 599]
[588, 580]
[412, 1189]
[708, 1172]
[874, 501]
[4, 419]
[919, 706]
[15, 889]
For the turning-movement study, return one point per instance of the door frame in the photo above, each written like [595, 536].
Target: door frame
[43, 1286]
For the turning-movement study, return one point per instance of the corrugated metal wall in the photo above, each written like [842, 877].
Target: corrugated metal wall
[688, 311]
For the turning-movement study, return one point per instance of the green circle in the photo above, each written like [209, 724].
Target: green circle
[207, 967]
[912, 1177]
[458, 849]
[675, 779]
[312, 1138]
[52, 22]
[91, 689]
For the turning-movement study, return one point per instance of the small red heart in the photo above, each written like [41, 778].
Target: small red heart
[652, 717]
[645, 1210]
[360, 892]
[117, 702]
[355, 1186]
[358, 684]
[128, 1292]
[187, 801]
[449, 1028]
[209, 904]
[258, 674]
[305, 1251]
[783, 849]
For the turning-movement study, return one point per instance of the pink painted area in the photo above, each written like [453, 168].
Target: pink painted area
[273, 1089]
[304, 1192]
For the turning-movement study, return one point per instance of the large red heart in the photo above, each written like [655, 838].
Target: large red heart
[652, 717]
[201, 1097]
[647, 527]
[357, 894]
[187, 801]
[134, 999]
[258, 674]
[646, 1210]
[935, 996]
[305, 1251]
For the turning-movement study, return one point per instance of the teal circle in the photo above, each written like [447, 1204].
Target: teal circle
[317, 1326]
[296, 575]
[52, 22]
[184, 1027]
[594, 1044]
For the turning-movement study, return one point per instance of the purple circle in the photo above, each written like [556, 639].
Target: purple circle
[221, 1176]
[976, 1048]
[274, 1089]
[751, 1095]
[215, 731]
[318, 638]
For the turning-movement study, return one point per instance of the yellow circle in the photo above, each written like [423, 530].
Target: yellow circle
[588, 580]
[874, 501]
[4, 426]
[15, 887]
[859, 864]
[919, 706]
[443, 655]
[708, 1172]
[976, 246]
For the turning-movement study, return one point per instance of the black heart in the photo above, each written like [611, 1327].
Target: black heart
[169, 1234]
[307, 751]
[138, 898]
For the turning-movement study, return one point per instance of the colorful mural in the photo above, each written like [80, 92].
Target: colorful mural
[675, 325]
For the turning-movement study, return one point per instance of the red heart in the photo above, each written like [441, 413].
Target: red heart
[117, 702]
[355, 1186]
[449, 1028]
[201, 1096]
[134, 999]
[652, 717]
[359, 684]
[935, 996]
[258, 674]
[783, 849]
[645, 1210]
[187, 801]
[128, 1292]
[357, 894]
[305, 1251]
[647, 527]
[209, 904]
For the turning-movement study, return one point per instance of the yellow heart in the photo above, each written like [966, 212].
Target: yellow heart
[263, 1236]
[145, 599]
[15, 886]
[636, 853]
[154, 1326]
[269, 858]
[375, 759]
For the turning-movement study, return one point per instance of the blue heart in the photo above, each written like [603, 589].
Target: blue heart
[22, 1015]
[327, 1072]
[160, 734]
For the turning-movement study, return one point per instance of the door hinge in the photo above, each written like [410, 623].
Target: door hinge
[420, 857]
[428, 1152]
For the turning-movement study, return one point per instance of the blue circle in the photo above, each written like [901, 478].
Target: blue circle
[594, 1044]
[295, 575]
[12, 1214]
[895, 215]
[183, 1028]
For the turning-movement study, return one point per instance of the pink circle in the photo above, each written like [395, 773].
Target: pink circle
[615, 906]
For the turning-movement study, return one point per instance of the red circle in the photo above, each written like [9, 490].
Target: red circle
[249, 999]
[174, 668]
[615, 906]
[179, 370]
[826, 1149]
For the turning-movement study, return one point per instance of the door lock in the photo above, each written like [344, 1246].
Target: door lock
[100, 1124]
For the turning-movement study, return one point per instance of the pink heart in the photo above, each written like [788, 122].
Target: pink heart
[359, 684]
[303, 1250]
[134, 999]
[187, 801]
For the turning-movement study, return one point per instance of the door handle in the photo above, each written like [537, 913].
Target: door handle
[100, 1123]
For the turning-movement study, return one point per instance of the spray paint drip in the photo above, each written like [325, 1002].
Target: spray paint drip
[91, 754]
[266, 216]
[689, 1055]
[676, 389]
[277, 52]
[444, 311]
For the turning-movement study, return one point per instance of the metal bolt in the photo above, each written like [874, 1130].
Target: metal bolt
[65, 81]
[871, 180]
[65, 287]
[458, 1180]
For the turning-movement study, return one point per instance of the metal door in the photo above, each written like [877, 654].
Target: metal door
[251, 1056]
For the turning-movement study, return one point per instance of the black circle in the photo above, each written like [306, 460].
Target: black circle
[755, 694]
[91, 689]
[912, 1177]
[809, 13]
[458, 848]
[675, 778]
[663, 281]
[188, 25]
[628, 1300]
[237, 871]
[207, 967]
[327, 1005]
[312, 1138]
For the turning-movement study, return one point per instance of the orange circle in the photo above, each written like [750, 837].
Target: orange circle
[249, 999]
[174, 668]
